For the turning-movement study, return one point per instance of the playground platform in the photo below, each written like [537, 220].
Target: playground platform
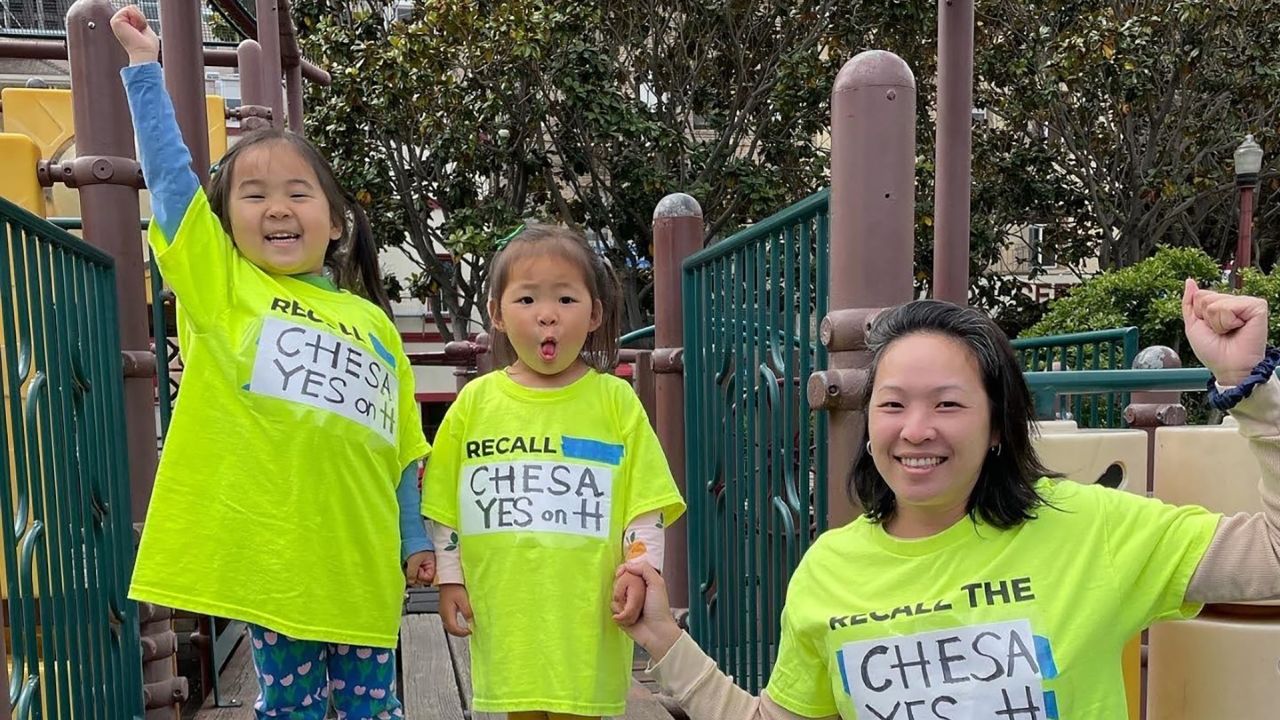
[435, 682]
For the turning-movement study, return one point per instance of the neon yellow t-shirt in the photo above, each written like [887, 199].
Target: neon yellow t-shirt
[540, 485]
[274, 502]
[980, 623]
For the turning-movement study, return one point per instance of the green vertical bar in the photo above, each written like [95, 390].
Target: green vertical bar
[732, 550]
[1130, 354]
[60, 487]
[779, 560]
[40, 463]
[1113, 412]
[766, 338]
[129, 653]
[692, 452]
[706, 443]
[822, 253]
[719, 416]
[792, 413]
[108, 481]
[53, 600]
[17, 351]
[90, 434]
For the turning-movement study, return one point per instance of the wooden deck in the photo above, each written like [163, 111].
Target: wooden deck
[436, 680]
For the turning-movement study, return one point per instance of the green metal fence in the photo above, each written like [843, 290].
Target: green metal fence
[755, 455]
[68, 543]
[1046, 387]
[1098, 350]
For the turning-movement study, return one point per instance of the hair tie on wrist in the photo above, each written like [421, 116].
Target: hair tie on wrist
[1261, 373]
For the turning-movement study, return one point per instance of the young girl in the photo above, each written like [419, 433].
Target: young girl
[296, 431]
[544, 475]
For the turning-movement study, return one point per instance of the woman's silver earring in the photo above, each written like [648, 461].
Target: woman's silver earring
[996, 449]
[868, 447]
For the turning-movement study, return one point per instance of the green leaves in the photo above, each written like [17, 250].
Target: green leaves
[463, 119]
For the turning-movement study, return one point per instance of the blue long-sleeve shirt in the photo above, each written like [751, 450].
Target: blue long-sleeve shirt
[166, 164]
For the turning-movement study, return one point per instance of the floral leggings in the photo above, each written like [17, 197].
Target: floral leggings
[297, 677]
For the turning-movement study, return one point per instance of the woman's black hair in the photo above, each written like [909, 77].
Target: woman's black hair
[1005, 494]
[353, 258]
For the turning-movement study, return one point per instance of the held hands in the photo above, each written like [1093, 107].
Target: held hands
[654, 629]
[628, 597]
[420, 569]
[135, 35]
[1227, 332]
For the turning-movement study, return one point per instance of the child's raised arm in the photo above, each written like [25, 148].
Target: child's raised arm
[166, 162]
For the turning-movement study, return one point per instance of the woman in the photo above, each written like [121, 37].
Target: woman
[973, 586]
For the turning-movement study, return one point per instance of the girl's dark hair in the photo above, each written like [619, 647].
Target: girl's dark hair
[1005, 494]
[353, 258]
[600, 351]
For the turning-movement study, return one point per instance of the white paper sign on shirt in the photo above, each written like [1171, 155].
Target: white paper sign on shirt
[317, 368]
[980, 671]
[536, 496]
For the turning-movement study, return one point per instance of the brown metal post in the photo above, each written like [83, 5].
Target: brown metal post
[249, 58]
[873, 146]
[252, 90]
[293, 88]
[184, 78]
[109, 207]
[955, 145]
[269, 39]
[292, 60]
[110, 211]
[484, 360]
[677, 234]
[646, 384]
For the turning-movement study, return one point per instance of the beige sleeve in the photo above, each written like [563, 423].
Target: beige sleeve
[448, 554]
[646, 538]
[1242, 563]
[688, 675]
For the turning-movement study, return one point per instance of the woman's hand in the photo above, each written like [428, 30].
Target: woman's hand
[1227, 332]
[656, 629]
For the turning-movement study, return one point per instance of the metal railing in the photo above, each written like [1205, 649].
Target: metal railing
[48, 18]
[67, 535]
[1046, 387]
[1113, 349]
[754, 454]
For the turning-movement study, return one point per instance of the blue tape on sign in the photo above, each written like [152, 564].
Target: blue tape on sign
[1050, 705]
[844, 674]
[594, 450]
[1044, 655]
[384, 353]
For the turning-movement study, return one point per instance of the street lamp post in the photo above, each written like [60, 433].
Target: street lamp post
[1248, 162]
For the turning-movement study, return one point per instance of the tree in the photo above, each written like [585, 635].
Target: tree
[1147, 295]
[454, 121]
[1116, 121]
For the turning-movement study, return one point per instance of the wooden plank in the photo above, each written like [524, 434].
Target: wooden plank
[430, 687]
[460, 651]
